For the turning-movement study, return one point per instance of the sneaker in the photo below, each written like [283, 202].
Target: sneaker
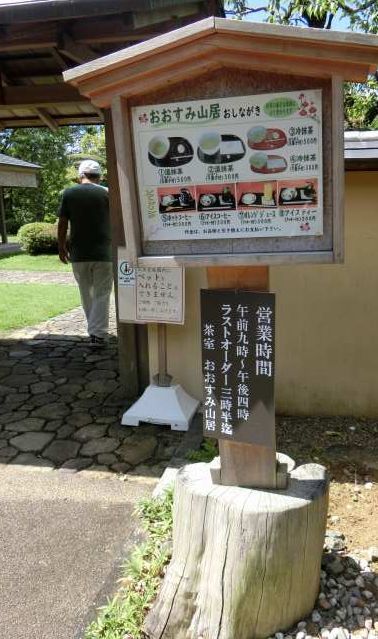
[97, 341]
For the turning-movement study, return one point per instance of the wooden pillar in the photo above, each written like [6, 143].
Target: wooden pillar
[245, 562]
[244, 464]
[132, 339]
[3, 227]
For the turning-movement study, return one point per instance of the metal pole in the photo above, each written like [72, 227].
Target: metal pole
[162, 378]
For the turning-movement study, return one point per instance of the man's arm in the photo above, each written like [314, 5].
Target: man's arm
[62, 239]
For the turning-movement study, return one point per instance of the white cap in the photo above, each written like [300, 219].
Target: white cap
[89, 167]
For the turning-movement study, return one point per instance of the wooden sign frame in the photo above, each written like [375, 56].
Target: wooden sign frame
[219, 58]
[327, 248]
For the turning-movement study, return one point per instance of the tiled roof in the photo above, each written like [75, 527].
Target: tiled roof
[7, 160]
[361, 150]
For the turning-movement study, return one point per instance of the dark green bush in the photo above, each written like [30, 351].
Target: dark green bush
[38, 237]
[12, 225]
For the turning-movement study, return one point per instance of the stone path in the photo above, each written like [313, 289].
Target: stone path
[10, 247]
[61, 403]
[36, 277]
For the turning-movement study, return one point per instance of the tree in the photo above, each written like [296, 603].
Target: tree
[361, 14]
[49, 150]
[59, 155]
[361, 100]
[89, 144]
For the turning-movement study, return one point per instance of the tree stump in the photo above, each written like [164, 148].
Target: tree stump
[245, 562]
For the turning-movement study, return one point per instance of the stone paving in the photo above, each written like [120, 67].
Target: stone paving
[61, 403]
[10, 247]
[36, 277]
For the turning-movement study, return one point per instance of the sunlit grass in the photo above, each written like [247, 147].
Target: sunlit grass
[24, 262]
[28, 304]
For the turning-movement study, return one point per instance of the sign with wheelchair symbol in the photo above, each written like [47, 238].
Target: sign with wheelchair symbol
[126, 274]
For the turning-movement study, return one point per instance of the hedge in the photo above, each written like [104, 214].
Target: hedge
[38, 237]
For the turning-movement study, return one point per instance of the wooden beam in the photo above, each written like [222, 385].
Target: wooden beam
[291, 66]
[115, 29]
[18, 38]
[249, 44]
[238, 259]
[126, 179]
[338, 175]
[14, 123]
[127, 340]
[47, 119]
[153, 81]
[122, 58]
[40, 95]
[70, 9]
[59, 59]
[75, 51]
[152, 67]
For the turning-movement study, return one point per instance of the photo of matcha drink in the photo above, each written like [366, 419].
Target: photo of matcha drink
[209, 143]
[158, 146]
[258, 161]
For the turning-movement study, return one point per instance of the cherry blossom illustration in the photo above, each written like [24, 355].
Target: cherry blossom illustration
[307, 107]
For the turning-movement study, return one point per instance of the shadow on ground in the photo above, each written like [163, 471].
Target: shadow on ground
[60, 407]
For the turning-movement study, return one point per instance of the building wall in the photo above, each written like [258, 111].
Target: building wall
[327, 322]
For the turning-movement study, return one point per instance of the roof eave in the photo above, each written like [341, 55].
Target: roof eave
[211, 43]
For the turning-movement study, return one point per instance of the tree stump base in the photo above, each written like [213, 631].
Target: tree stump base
[246, 563]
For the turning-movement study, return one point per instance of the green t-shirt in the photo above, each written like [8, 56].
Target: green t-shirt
[86, 206]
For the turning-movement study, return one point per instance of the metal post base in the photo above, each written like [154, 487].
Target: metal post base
[162, 405]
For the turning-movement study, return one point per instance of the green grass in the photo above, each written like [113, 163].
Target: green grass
[124, 615]
[24, 262]
[206, 453]
[28, 304]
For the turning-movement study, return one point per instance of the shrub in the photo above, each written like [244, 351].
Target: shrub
[38, 237]
[12, 225]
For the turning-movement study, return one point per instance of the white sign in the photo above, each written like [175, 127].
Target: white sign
[126, 273]
[150, 294]
[232, 167]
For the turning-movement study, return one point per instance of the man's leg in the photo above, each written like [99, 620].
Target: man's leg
[98, 321]
[83, 273]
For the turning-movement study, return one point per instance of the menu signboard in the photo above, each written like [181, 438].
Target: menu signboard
[231, 167]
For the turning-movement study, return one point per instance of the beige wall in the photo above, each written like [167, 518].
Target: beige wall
[327, 322]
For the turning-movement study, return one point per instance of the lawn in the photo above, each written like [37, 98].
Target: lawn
[28, 304]
[24, 262]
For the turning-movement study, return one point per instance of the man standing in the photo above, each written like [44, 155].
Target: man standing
[86, 207]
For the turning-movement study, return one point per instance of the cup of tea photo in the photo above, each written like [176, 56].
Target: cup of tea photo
[158, 146]
[207, 199]
[209, 142]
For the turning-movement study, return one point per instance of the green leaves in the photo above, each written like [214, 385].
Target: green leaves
[122, 617]
[59, 155]
[361, 14]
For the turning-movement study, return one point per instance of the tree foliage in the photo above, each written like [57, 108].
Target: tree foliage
[89, 144]
[59, 155]
[49, 150]
[360, 14]
[361, 100]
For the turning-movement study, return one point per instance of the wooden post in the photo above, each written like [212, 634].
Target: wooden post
[132, 339]
[245, 562]
[3, 227]
[245, 464]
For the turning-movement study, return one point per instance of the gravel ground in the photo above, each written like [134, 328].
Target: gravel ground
[347, 605]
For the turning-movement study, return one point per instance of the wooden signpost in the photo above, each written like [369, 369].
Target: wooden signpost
[229, 143]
